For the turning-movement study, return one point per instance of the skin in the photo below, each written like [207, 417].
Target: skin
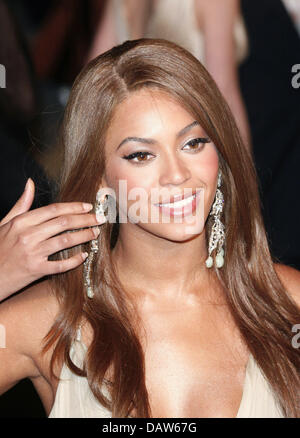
[195, 359]
[174, 289]
[136, 12]
[29, 237]
[172, 166]
[215, 19]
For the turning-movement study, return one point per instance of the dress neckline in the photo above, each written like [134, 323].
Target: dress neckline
[246, 379]
[246, 383]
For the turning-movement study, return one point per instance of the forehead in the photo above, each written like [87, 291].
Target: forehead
[146, 106]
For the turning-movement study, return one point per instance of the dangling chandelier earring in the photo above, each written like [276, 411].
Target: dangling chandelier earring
[100, 208]
[217, 236]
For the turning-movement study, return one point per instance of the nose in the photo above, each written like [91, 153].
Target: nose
[174, 171]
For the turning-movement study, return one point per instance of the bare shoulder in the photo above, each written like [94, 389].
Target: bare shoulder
[25, 319]
[28, 316]
[290, 278]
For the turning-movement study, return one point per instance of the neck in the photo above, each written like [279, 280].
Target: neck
[157, 268]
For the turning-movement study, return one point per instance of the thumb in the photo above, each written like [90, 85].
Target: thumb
[23, 204]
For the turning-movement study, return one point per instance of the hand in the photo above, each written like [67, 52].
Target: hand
[26, 239]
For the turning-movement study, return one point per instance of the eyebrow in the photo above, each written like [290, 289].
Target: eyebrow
[152, 141]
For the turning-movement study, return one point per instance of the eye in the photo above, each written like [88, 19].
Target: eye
[137, 155]
[143, 155]
[196, 142]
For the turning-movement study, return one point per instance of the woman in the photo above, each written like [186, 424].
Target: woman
[146, 328]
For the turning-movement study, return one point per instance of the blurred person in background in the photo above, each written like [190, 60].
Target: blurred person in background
[293, 8]
[212, 31]
[18, 108]
[58, 34]
[273, 28]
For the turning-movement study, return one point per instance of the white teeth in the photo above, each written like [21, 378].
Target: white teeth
[179, 204]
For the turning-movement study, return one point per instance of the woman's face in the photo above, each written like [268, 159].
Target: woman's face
[155, 150]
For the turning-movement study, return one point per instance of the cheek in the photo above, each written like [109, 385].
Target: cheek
[120, 177]
[207, 166]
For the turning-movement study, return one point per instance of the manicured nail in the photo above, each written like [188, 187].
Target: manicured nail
[87, 206]
[84, 255]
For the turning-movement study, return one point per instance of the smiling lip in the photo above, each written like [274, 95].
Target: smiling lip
[184, 210]
[177, 198]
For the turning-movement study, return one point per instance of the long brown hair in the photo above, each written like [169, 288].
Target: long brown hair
[262, 309]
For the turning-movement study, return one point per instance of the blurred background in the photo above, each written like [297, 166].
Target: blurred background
[250, 47]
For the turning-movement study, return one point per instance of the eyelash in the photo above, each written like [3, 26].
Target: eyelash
[193, 142]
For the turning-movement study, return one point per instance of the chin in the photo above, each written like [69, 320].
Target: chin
[175, 232]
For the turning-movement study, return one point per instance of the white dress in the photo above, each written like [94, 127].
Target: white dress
[74, 399]
[175, 20]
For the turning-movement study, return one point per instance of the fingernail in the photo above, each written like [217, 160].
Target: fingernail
[87, 206]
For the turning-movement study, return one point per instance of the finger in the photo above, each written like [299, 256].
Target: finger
[70, 222]
[68, 240]
[56, 267]
[23, 204]
[43, 214]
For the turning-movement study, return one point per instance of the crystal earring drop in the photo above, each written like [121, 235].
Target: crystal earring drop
[100, 208]
[217, 236]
